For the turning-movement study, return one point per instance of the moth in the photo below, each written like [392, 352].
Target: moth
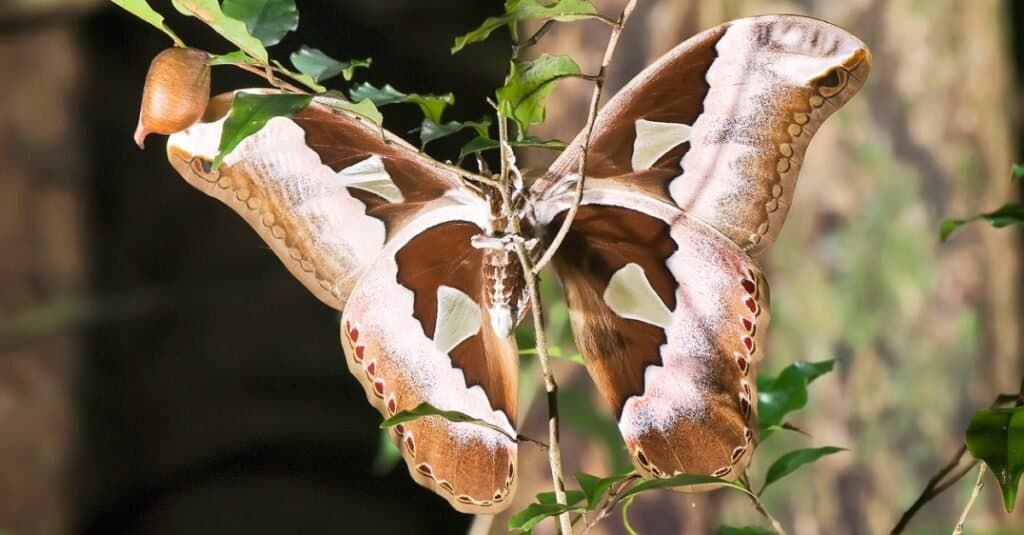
[691, 172]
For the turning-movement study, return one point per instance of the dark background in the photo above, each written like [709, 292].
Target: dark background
[161, 373]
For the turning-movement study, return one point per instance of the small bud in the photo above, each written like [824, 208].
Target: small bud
[176, 93]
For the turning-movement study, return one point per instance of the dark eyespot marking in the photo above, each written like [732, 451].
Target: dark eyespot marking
[833, 82]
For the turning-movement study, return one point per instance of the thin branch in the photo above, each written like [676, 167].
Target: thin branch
[270, 78]
[776, 525]
[532, 40]
[978, 484]
[588, 130]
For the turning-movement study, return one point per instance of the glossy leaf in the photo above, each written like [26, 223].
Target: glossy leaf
[320, 66]
[517, 10]
[233, 30]
[1008, 214]
[426, 409]
[529, 84]
[792, 461]
[572, 497]
[267, 20]
[250, 112]
[142, 10]
[432, 106]
[785, 393]
[996, 437]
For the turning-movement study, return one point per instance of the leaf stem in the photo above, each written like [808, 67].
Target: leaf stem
[776, 525]
[611, 500]
[978, 484]
[588, 130]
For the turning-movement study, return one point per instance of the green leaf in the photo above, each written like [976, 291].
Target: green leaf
[996, 437]
[529, 84]
[572, 497]
[790, 462]
[232, 58]
[748, 530]
[142, 10]
[320, 66]
[482, 143]
[250, 111]
[517, 10]
[1008, 214]
[432, 106]
[594, 488]
[426, 409]
[431, 131]
[1017, 171]
[534, 513]
[231, 29]
[681, 480]
[267, 20]
[387, 456]
[781, 395]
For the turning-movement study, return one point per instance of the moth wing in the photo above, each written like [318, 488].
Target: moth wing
[670, 317]
[323, 188]
[415, 330]
[720, 124]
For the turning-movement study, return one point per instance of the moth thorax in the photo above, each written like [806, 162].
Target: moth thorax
[504, 289]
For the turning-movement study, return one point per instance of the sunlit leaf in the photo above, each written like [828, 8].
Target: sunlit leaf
[785, 393]
[529, 84]
[432, 106]
[142, 10]
[267, 20]
[250, 112]
[516, 10]
[748, 530]
[426, 409]
[231, 29]
[388, 455]
[322, 67]
[996, 437]
[1008, 214]
[790, 462]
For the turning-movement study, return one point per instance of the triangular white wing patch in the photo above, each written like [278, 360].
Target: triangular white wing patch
[458, 318]
[370, 175]
[630, 295]
[654, 139]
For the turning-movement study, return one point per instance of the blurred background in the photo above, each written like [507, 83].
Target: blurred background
[161, 373]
